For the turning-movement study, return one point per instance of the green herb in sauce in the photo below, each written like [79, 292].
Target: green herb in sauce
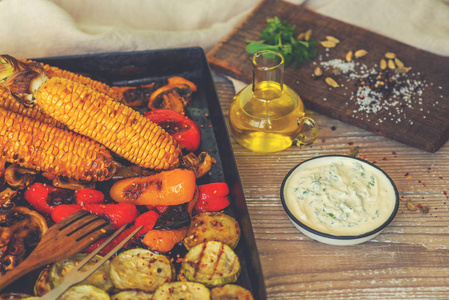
[340, 196]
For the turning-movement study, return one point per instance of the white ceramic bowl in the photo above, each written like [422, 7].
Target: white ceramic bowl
[339, 200]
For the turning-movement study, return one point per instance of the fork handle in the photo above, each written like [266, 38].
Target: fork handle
[23, 268]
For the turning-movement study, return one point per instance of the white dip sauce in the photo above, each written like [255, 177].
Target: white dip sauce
[339, 196]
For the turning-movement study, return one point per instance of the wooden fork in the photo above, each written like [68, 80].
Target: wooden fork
[62, 240]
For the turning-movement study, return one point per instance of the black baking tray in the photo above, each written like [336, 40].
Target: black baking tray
[138, 68]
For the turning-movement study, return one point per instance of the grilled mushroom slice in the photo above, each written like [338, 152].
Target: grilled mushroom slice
[19, 177]
[72, 184]
[200, 164]
[176, 95]
[26, 224]
[25, 228]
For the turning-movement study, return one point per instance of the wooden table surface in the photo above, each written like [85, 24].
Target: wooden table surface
[408, 260]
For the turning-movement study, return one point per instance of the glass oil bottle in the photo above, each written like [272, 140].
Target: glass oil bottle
[267, 115]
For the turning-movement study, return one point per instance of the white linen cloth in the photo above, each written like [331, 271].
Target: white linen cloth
[42, 28]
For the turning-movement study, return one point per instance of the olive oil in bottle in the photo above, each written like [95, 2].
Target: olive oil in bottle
[266, 115]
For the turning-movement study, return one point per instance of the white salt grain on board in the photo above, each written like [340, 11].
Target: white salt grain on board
[403, 91]
[340, 64]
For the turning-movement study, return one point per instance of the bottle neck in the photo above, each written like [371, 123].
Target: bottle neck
[268, 75]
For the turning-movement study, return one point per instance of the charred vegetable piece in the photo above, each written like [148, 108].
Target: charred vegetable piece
[135, 96]
[163, 241]
[212, 264]
[85, 292]
[183, 130]
[165, 188]
[42, 147]
[42, 284]
[100, 278]
[70, 183]
[200, 164]
[213, 226]
[173, 96]
[95, 115]
[117, 214]
[140, 269]
[173, 217]
[182, 290]
[24, 229]
[213, 197]
[45, 197]
[231, 292]
[19, 177]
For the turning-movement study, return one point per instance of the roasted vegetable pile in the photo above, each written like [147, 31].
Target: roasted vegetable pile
[71, 143]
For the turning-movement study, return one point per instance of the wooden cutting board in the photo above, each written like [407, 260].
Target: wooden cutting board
[411, 107]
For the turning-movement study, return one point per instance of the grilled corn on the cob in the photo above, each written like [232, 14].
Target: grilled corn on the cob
[92, 114]
[10, 103]
[40, 146]
[99, 86]
[120, 128]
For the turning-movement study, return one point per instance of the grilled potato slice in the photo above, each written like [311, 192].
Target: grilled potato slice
[213, 226]
[140, 269]
[212, 264]
[182, 290]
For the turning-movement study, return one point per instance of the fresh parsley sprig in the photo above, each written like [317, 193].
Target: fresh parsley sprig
[279, 36]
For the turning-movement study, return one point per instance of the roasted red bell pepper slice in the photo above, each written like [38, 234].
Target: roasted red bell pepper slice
[183, 130]
[61, 212]
[215, 189]
[147, 219]
[117, 214]
[213, 197]
[89, 196]
[44, 198]
[112, 244]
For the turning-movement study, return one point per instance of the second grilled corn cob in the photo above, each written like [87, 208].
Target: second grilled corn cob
[40, 146]
[99, 86]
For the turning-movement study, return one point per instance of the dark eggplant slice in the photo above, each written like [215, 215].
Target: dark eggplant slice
[174, 217]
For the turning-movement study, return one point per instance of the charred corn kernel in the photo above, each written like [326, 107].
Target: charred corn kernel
[10, 103]
[36, 145]
[118, 127]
